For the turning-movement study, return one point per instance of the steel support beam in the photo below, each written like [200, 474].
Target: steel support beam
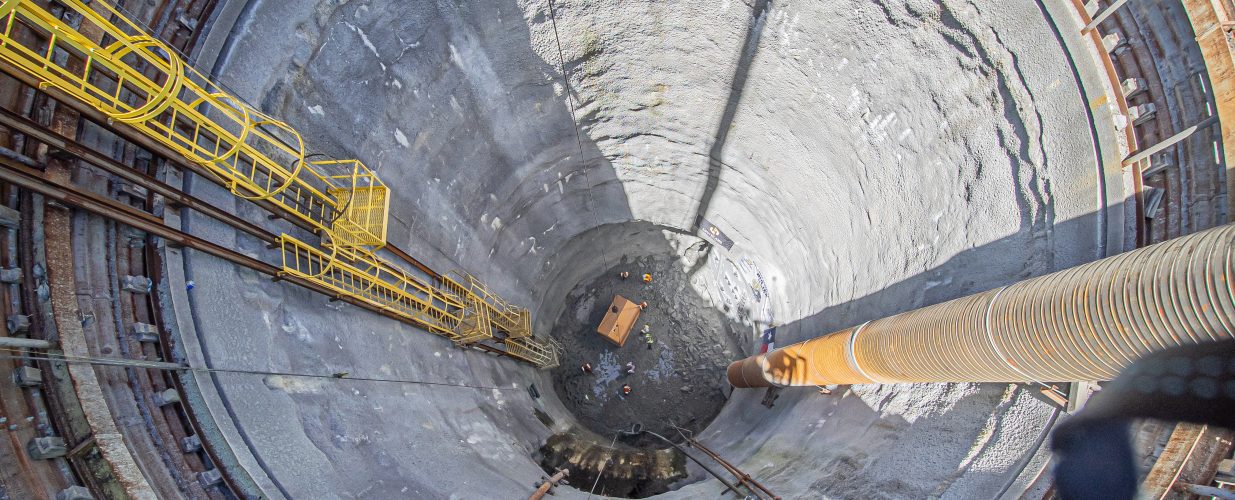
[1170, 141]
[23, 343]
[1083, 323]
[1103, 15]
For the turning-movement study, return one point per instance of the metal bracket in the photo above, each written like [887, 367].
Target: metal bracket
[769, 397]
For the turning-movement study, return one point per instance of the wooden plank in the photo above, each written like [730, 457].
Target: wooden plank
[619, 320]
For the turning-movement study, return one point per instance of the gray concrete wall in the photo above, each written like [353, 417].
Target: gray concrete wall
[866, 159]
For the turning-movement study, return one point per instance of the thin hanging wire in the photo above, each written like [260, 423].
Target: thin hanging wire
[165, 366]
[574, 120]
[602, 466]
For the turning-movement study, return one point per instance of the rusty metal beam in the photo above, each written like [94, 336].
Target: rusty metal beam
[546, 488]
[80, 152]
[1084, 323]
[742, 477]
[1191, 455]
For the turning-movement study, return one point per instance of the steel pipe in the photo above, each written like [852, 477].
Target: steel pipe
[24, 343]
[1083, 323]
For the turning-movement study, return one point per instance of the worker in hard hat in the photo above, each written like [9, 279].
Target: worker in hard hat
[647, 278]
[648, 336]
[626, 389]
[624, 274]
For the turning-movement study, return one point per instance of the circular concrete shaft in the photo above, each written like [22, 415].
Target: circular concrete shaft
[864, 158]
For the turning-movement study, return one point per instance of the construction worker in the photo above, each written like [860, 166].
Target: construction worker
[587, 368]
[647, 278]
[643, 305]
[647, 330]
[625, 389]
[624, 274]
[648, 336]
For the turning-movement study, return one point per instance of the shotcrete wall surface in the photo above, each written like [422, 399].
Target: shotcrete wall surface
[865, 157]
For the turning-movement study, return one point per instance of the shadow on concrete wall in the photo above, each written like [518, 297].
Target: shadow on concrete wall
[966, 273]
[741, 72]
[458, 113]
[454, 108]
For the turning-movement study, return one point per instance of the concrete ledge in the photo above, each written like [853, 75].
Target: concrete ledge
[201, 396]
[1108, 110]
[218, 31]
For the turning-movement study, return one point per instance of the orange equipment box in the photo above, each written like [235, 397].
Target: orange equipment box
[619, 319]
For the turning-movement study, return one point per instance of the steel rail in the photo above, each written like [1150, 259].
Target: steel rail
[76, 150]
[175, 196]
[165, 424]
[24, 177]
[729, 485]
[126, 253]
[743, 477]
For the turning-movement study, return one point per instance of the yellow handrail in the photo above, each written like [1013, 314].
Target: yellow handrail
[112, 65]
[377, 283]
[133, 78]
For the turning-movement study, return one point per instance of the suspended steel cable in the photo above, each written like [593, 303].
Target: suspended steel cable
[165, 366]
[574, 120]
